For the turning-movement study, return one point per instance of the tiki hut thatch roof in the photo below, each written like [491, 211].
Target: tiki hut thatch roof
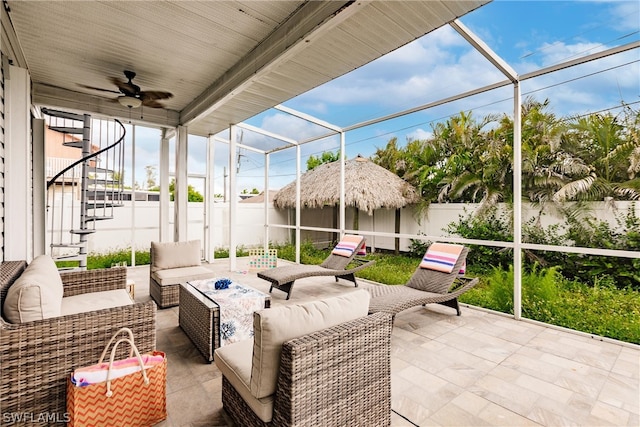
[367, 187]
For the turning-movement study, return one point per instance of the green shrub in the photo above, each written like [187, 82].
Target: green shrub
[548, 297]
[106, 260]
[224, 252]
[488, 227]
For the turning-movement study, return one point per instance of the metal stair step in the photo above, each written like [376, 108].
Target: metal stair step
[70, 257]
[68, 129]
[104, 205]
[75, 144]
[99, 170]
[63, 114]
[67, 245]
[97, 218]
[102, 181]
[82, 231]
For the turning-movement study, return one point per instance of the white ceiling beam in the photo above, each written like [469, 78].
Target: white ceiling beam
[267, 133]
[307, 117]
[485, 50]
[312, 18]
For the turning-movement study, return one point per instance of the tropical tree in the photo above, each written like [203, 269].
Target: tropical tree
[325, 157]
[192, 194]
[609, 145]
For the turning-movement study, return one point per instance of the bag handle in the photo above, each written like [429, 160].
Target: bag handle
[113, 355]
[125, 330]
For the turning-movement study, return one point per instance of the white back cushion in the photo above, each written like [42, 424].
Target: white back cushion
[36, 294]
[175, 254]
[273, 326]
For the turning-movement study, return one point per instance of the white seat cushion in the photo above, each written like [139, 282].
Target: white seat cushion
[36, 294]
[234, 362]
[92, 301]
[181, 275]
[273, 326]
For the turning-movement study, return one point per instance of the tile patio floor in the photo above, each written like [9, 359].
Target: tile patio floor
[479, 369]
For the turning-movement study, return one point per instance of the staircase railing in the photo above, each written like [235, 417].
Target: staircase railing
[85, 191]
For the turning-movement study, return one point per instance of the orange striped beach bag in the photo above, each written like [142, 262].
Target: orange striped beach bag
[133, 393]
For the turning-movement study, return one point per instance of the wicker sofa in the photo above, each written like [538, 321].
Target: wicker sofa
[173, 263]
[320, 363]
[37, 356]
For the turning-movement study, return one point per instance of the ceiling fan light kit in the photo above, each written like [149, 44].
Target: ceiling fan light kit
[129, 101]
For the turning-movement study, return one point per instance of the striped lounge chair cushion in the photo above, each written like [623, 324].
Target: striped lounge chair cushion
[347, 245]
[441, 257]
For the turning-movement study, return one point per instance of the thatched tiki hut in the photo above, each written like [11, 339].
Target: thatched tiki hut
[367, 187]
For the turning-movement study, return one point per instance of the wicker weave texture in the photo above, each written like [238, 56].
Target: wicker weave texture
[340, 376]
[200, 321]
[164, 295]
[37, 357]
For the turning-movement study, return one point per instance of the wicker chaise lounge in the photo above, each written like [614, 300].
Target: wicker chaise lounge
[37, 356]
[426, 286]
[335, 264]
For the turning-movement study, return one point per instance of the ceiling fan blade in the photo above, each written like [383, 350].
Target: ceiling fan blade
[151, 103]
[98, 88]
[155, 95]
[126, 88]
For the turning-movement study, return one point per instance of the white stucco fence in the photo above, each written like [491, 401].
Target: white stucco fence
[118, 233]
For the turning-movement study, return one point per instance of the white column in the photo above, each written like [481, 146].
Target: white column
[18, 232]
[180, 197]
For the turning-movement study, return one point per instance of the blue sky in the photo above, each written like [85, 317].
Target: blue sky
[528, 35]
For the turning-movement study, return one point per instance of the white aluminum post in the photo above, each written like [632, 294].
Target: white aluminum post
[298, 207]
[343, 158]
[517, 202]
[266, 203]
[133, 195]
[233, 202]
[164, 188]
[209, 247]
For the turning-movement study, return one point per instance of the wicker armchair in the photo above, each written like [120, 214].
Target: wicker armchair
[37, 357]
[335, 376]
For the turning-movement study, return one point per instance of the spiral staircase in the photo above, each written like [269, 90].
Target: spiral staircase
[85, 190]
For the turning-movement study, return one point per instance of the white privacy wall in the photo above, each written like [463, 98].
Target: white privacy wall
[118, 233]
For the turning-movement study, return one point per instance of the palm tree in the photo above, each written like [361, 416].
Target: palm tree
[480, 167]
[610, 145]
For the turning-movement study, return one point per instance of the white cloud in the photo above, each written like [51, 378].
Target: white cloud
[625, 15]
[420, 134]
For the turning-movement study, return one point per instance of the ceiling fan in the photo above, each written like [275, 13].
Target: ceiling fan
[131, 95]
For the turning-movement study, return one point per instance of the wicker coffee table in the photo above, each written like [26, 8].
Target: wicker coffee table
[199, 317]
